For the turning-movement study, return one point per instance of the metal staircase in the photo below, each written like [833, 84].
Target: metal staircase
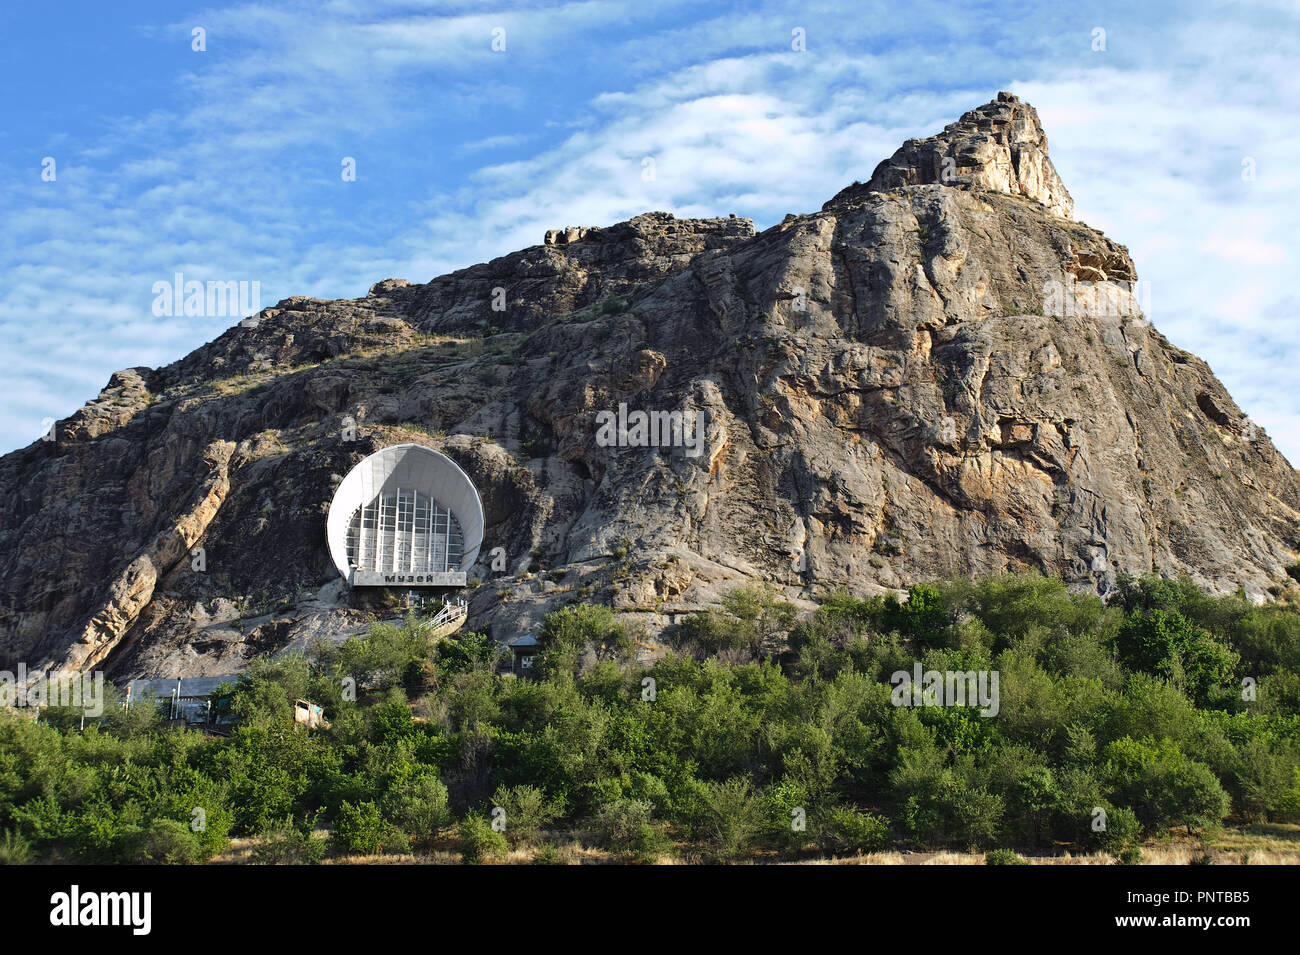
[449, 619]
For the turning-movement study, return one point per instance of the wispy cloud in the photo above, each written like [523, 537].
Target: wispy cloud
[232, 169]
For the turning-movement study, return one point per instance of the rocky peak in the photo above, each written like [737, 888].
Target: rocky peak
[568, 234]
[387, 287]
[1000, 147]
[654, 227]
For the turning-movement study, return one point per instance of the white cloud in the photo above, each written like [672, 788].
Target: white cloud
[1149, 137]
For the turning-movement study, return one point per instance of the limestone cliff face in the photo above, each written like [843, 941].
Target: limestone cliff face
[932, 375]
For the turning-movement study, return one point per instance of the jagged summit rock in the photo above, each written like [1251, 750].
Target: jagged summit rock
[925, 378]
[999, 146]
[386, 287]
[568, 235]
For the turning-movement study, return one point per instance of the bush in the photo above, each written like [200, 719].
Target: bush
[419, 807]
[733, 816]
[361, 829]
[546, 854]
[1123, 830]
[285, 844]
[752, 618]
[1130, 856]
[1003, 857]
[167, 842]
[856, 832]
[479, 842]
[1017, 607]
[713, 632]
[527, 811]
[923, 618]
[14, 849]
[1164, 787]
[467, 650]
[1268, 639]
[625, 825]
[941, 805]
[567, 632]
[389, 655]
[1167, 644]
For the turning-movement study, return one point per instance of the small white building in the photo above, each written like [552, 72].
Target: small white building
[523, 651]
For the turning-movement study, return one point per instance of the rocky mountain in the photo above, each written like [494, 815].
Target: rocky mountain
[940, 372]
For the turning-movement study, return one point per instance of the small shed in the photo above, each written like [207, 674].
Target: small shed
[309, 715]
[524, 651]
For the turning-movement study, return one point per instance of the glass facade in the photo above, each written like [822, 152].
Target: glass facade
[404, 531]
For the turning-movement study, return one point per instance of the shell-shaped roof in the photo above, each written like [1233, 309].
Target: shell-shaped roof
[409, 467]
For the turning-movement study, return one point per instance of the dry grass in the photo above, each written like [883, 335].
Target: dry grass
[1272, 837]
[452, 347]
[1263, 844]
[239, 852]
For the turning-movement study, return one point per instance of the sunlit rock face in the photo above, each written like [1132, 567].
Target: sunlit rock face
[930, 376]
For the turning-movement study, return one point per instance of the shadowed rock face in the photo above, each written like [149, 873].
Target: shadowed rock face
[931, 376]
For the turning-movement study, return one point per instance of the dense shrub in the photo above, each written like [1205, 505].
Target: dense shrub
[851, 831]
[419, 806]
[752, 619]
[166, 842]
[569, 631]
[1166, 644]
[479, 842]
[1163, 787]
[526, 810]
[361, 829]
[1122, 830]
[14, 849]
[923, 617]
[731, 816]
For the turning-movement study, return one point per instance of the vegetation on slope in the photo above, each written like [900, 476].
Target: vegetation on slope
[757, 736]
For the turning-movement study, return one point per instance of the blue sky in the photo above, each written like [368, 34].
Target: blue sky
[226, 164]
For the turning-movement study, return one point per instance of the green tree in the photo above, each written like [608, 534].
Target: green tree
[567, 632]
[733, 816]
[1163, 786]
[527, 812]
[627, 825]
[361, 829]
[854, 831]
[419, 806]
[923, 618]
[1167, 644]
